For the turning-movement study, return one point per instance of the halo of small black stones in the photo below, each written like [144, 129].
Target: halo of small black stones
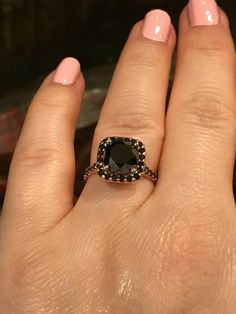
[104, 171]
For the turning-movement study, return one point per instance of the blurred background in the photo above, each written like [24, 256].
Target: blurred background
[36, 34]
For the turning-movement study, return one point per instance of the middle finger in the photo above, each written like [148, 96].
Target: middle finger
[199, 149]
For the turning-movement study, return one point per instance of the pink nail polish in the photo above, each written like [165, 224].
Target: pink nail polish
[157, 25]
[67, 72]
[203, 12]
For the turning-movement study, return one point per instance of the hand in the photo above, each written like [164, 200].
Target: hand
[139, 248]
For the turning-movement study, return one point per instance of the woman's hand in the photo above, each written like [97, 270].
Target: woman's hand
[139, 248]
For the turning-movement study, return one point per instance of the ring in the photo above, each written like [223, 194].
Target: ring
[121, 160]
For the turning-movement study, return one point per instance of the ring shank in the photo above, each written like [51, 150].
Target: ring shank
[148, 173]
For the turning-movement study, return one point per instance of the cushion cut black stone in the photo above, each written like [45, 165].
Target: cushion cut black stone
[121, 156]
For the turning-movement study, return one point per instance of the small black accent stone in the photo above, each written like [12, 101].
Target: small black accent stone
[107, 176]
[142, 157]
[122, 178]
[101, 172]
[114, 178]
[141, 150]
[130, 178]
[137, 176]
[100, 158]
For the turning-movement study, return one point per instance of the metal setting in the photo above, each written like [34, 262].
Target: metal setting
[136, 171]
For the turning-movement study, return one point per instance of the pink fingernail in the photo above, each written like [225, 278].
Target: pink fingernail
[203, 12]
[157, 25]
[67, 72]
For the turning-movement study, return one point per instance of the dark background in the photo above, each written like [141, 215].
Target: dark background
[36, 34]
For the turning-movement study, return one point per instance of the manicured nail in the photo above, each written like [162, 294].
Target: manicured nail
[157, 25]
[67, 72]
[203, 12]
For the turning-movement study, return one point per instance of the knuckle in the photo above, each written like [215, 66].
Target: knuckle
[196, 249]
[208, 110]
[135, 61]
[205, 41]
[213, 47]
[149, 59]
[60, 101]
[132, 122]
[38, 156]
[21, 270]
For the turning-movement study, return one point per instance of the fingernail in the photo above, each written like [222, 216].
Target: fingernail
[157, 25]
[67, 71]
[203, 12]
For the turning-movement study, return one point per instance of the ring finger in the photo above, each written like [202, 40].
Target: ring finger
[135, 104]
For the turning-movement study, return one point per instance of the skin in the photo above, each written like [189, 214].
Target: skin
[169, 248]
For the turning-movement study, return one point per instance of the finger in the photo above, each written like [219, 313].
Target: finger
[136, 101]
[40, 187]
[199, 150]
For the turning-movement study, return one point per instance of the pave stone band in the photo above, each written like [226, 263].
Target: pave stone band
[121, 160]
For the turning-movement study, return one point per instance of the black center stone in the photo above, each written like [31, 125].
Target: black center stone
[121, 156]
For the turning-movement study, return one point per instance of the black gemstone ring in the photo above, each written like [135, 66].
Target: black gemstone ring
[121, 160]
